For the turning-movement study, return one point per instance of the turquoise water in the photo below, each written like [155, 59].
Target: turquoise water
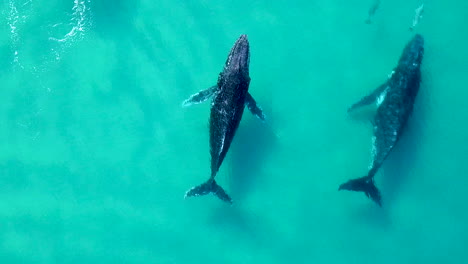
[97, 151]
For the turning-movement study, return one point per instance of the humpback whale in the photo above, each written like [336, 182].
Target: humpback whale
[395, 99]
[230, 96]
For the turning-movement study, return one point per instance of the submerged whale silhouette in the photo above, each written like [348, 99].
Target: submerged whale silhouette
[395, 99]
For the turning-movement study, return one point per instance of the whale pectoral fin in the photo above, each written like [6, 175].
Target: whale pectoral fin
[253, 107]
[369, 99]
[200, 97]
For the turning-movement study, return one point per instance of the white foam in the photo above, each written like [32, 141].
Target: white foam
[80, 22]
[13, 19]
[17, 15]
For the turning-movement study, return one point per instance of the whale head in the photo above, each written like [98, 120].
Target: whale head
[412, 55]
[239, 57]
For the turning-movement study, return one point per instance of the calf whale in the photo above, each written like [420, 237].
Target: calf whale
[395, 100]
[230, 96]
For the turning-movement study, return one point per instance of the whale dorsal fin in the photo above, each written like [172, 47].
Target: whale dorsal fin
[201, 96]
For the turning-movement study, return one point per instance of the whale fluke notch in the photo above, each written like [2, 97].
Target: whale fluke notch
[364, 184]
[209, 187]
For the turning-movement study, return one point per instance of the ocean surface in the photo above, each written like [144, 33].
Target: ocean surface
[97, 152]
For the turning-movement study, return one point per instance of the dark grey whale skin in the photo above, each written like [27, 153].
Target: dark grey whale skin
[399, 94]
[228, 105]
[230, 98]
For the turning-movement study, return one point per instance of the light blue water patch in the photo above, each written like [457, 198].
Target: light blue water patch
[97, 151]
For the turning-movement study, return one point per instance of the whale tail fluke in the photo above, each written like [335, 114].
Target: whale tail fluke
[209, 187]
[364, 184]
